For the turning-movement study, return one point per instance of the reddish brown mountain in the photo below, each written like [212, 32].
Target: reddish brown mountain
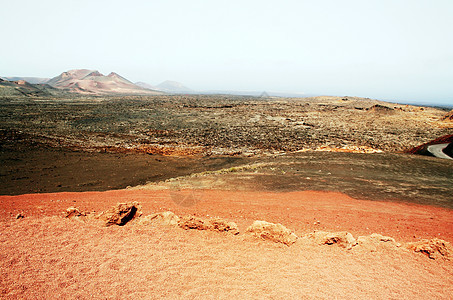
[93, 82]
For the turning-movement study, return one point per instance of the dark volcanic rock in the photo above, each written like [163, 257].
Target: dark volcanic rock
[449, 150]
[423, 149]
[380, 108]
[120, 214]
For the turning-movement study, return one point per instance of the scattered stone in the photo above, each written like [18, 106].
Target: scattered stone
[434, 248]
[343, 239]
[73, 212]
[374, 241]
[164, 218]
[274, 232]
[20, 216]
[120, 214]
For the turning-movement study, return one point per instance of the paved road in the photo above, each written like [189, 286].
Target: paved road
[436, 150]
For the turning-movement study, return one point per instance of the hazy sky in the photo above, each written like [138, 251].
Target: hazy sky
[394, 50]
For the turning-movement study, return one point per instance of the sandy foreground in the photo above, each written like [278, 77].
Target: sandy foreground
[46, 256]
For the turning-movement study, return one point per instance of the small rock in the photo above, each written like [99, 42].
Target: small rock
[192, 222]
[73, 212]
[120, 214]
[434, 248]
[274, 232]
[218, 224]
[343, 239]
[374, 241]
[20, 216]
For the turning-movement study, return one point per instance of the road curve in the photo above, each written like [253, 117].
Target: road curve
[436, 150]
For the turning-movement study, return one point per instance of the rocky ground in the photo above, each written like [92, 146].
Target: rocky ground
[98, 144]
[222, 125]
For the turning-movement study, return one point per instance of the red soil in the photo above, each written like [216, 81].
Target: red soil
[296, 210]
[46, 256]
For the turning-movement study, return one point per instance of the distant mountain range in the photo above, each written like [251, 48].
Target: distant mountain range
[79, 81]
[84, 81]
[92, 82]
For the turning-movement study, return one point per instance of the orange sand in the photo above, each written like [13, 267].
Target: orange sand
[46, 256]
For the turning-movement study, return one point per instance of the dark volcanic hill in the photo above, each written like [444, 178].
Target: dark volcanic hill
[93, 82]
[24, 88]
[33, 80]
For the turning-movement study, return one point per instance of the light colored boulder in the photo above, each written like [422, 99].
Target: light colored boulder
[273, 232]
[375, 241]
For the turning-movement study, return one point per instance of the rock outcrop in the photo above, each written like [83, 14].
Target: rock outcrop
[273, 232]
